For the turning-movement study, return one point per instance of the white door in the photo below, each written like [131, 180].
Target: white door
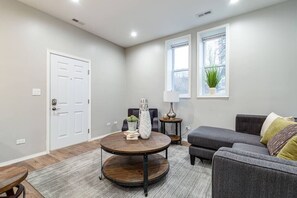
[69, 101]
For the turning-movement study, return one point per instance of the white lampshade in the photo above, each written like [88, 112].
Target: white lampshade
[171, 96]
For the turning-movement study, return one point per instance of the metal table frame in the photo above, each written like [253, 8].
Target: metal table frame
[145, 164]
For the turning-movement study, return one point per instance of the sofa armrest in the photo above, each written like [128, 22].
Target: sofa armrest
[237, 173]
[155, 126]
[251, 124]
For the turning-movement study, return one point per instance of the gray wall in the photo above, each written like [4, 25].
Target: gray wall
[262, 73]
[263, 68]
[25, 36]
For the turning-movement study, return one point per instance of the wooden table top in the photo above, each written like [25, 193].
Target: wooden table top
[117, 143]
[11, 176]
[174, 120]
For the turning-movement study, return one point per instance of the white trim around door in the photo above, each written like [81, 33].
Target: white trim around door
[48, 94]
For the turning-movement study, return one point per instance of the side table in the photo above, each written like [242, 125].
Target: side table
[177, 121]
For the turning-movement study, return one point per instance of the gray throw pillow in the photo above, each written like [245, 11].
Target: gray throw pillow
[280, 139]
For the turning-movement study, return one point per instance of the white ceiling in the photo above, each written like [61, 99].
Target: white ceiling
[114, 20]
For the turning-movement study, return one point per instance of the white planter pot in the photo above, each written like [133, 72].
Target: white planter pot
[212, 91]
[132, 126]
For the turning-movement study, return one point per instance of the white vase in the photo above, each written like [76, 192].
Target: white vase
[212, 91]
[145, 126]
[132, 126]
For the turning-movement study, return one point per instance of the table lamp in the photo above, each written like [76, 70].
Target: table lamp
[171, 96]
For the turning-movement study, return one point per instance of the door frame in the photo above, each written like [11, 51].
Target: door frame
[48, 94]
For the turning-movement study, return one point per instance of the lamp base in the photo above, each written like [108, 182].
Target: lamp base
[171, 114]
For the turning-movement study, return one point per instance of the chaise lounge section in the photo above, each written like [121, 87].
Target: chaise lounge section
[205, 141]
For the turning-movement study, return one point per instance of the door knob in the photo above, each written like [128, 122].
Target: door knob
[55, 108]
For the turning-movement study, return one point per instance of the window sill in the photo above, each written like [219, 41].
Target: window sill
[184, 96]
[213, 97]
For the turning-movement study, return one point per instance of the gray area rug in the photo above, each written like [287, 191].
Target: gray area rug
[77, 177]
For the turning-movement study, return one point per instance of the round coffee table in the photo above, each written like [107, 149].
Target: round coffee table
[11, 177]
[135, 162]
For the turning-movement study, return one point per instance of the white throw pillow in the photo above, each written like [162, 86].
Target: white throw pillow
[270, 118]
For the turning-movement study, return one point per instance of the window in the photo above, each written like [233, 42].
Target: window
[178, 72]
[213, 55]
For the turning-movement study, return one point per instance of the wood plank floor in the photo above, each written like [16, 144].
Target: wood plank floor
[55, 157]
[52, 158]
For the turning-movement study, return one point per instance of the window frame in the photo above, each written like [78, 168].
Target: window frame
[169, 58]
[200, 62]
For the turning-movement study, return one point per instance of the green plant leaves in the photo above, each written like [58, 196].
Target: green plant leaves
[132, 118]
[212, 76]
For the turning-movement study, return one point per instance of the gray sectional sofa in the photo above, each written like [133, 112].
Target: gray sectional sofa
[241, 165]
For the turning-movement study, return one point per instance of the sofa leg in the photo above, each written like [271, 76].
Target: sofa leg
[192, 159]
[201, 159]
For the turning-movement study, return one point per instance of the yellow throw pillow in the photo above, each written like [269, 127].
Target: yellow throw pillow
[276, 126]
[289, 151]
[269, 119]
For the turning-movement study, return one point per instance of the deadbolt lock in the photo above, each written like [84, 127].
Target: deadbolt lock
[54, 102]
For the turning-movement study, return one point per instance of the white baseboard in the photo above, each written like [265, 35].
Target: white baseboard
[22, 159]
[44, 153]
[102, 136]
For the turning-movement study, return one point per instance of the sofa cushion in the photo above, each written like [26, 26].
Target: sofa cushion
[270, 118]
[211, 137]
[251, 148]
[215, 138]
[280, 139]
[268, 121]
[248, 139]
[289, 151]
[277, 125]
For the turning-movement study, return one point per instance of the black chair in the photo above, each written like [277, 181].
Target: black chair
[135, 112]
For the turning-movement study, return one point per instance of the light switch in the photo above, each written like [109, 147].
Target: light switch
[36, 92]
[20, 141]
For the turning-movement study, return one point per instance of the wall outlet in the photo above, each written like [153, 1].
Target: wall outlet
[115, 122]
[20, 141]
[188, 128]
[108, 124]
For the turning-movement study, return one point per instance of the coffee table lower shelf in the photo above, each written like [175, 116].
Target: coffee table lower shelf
[128, 170]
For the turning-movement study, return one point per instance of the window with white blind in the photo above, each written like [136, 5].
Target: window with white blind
[178, 67]
[212, 56]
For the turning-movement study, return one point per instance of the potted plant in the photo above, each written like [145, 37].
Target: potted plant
[132, 122]
[212, 78]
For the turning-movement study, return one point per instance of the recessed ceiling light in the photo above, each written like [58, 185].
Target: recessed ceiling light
[133, 34]
[75, 1]
[233, 1]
